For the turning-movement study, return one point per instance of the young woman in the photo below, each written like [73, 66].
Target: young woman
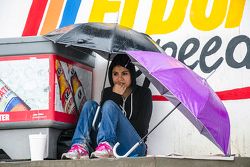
[126, 110]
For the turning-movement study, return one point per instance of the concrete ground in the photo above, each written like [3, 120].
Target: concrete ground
[135, 162]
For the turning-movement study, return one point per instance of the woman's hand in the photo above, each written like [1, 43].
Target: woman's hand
[119, 88]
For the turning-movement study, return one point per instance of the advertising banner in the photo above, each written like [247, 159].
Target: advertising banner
[42, 87]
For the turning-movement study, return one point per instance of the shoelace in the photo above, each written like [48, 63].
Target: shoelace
[104, 145]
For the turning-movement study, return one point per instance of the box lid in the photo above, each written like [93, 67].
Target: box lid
[40, 45]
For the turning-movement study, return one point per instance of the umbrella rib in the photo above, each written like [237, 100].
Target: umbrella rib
[112, 38]
[79, 50]
[142, 139]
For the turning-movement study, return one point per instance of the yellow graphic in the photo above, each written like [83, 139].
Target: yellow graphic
[129, 13]
[156, 24]
[198, 15]
[235, 13]
[202, 15]
[100, 7]
[216, 16]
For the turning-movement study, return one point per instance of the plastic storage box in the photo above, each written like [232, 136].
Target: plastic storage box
[42, 89]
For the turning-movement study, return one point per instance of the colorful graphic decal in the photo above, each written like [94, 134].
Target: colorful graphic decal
[42, 87]
[220, 10]
[74, 87]
[66, 95]
[10, 101]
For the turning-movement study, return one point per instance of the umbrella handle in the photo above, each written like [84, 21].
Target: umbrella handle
[95, 117]
[127, 154]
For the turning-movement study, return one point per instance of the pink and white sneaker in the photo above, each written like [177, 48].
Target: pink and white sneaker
[103, 150]
[77, 151]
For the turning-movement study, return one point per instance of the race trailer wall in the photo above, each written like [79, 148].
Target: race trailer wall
[209, 36]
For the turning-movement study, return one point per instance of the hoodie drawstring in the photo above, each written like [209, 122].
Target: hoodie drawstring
[131, 107]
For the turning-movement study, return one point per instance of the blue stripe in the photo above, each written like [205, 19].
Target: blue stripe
[70, 12]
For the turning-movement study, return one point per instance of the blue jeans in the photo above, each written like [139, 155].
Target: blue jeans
[114, 127]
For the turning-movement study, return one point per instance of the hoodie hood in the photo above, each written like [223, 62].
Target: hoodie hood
[124, 61]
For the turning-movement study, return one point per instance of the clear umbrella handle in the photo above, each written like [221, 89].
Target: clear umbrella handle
[95, 117]
[127, 154]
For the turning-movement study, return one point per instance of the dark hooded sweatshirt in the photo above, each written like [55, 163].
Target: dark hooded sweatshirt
[141, 100]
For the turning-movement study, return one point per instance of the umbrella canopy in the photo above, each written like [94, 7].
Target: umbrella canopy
[198, 102]
[104, 38]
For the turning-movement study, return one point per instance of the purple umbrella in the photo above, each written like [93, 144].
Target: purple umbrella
[190, 93]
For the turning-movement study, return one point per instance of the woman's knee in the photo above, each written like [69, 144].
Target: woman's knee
[89, 105]
[110, 105]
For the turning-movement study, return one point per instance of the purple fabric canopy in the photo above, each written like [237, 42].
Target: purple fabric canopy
[178, 83]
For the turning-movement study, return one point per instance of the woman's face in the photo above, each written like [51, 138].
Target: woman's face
[121, 76]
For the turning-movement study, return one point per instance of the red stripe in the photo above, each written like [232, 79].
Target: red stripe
[37, 115]
[34, 17]
[159, 98]
[233, 94]
[23, 57]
